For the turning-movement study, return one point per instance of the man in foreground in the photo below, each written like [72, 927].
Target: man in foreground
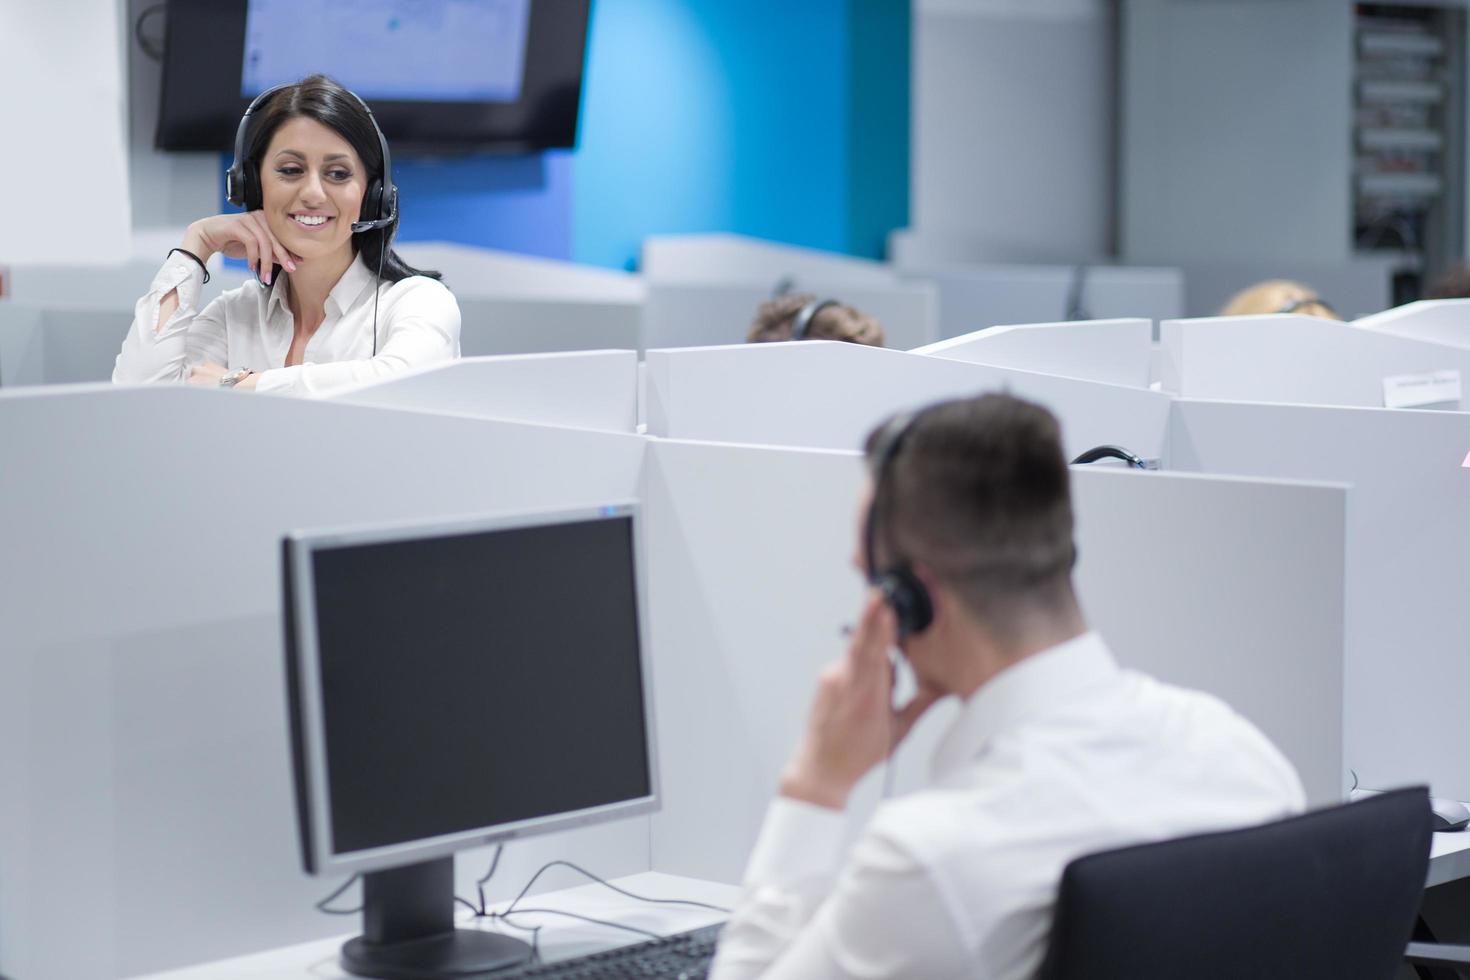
[1056, 752]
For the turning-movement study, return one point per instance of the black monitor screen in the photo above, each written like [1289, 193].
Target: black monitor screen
[479, 679]
[453, 75]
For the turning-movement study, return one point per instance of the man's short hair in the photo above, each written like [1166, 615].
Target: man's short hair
[776, 318]
[979, 493]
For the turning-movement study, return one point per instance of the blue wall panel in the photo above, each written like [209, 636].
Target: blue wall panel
[781, 120]
[706, 115]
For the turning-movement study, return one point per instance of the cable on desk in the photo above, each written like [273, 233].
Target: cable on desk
[607, 884]
[574, 915]
[322, 905]
[480, 883]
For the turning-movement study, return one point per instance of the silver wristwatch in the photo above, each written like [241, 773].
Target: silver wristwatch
[230, 380]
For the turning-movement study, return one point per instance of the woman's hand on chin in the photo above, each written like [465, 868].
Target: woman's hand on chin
[240, 235]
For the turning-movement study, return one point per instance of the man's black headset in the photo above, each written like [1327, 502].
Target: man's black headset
[897, 583]
[242, 180]
[803, 321]
[379, 203]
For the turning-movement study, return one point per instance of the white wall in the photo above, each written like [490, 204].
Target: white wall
[63, 169]
[1236, 138]
[1013, 126]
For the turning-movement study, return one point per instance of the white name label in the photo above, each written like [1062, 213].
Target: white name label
[1418, 390]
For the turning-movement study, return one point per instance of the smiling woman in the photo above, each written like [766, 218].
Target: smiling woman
[334, 304]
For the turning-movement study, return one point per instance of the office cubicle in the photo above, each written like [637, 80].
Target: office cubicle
[1298, 360]
[830, 395]
[751, 585]
[142, 704]
[579, 389]
[1440, 321]
[1115, 352]
[1407, 536]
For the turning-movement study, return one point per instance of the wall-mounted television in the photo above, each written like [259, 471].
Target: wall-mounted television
[440, 75]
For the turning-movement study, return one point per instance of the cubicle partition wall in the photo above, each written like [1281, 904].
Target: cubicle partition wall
[1297, 360]
[831, 395]
[110, 288]
[693, 314]
[148, 819]
[976, 297]
[1116, 352]
[1440, 321]
[1408, 655]
[59, 345]
[586, 390]
[518, 304]
[751, 585]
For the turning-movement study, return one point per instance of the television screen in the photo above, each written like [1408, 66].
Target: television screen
[440, 75]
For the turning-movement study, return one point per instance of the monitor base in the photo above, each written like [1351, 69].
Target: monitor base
[408, 929]
[461, 953]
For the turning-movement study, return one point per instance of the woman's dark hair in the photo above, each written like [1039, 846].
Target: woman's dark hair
[320, 98]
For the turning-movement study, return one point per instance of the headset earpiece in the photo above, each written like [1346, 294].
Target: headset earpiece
[905, 594]
[908, 598]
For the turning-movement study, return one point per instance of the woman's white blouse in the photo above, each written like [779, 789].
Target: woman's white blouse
[251, 327]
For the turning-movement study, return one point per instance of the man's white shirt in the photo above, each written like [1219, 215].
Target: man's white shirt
[252, 327]
[1061, 755]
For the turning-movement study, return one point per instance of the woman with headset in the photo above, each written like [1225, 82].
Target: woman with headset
[335, 305]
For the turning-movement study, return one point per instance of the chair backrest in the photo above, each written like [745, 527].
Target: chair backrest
[1331, 894]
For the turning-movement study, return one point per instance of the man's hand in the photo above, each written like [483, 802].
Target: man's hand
[852, 726]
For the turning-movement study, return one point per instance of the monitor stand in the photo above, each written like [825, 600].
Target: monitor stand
[408, 929]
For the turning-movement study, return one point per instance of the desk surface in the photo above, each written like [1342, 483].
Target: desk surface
[560, 938]
[1449, 857]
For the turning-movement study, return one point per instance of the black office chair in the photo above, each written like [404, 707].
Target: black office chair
[1331, 895]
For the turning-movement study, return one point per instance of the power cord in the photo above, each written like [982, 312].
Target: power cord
[322, 905]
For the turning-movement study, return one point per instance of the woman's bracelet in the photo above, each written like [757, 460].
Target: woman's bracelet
[192, 256]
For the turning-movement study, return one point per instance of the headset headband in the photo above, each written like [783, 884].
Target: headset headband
[235, 176]
[803, 321]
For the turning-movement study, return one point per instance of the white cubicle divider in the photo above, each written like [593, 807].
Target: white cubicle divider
[491, 325]
[471, 271]
[1408, 652]
[693, 314]
[1299, 360]
[59, 345]
[830, 395]
[112, 288]
[143, 731]
[1112, 351]
[1441, 321]
[751, 584]
[738, 258]
[519, 304]
[581, 389]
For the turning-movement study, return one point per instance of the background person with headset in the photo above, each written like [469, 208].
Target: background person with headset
[966, 539]
[1279, 296]
[334, 305]
[796, 316]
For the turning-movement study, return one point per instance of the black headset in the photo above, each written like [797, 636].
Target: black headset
[897, 583]
[803, 321]
[1292, 307]
[1110, 452]
[242, 181]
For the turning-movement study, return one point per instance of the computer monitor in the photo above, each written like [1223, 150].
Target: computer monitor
[454, 685]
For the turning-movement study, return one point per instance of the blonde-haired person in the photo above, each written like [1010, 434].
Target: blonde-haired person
[1279, 296]
[798, 316]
